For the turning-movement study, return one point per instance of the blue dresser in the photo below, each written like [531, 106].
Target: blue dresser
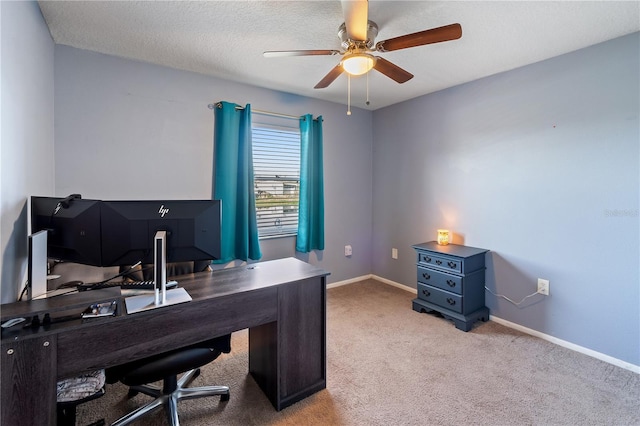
[451, 281]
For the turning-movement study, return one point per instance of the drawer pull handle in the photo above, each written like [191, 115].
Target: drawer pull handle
[451, 283]
[452, 264]
[427, 259]
[426, 293]
[426, 276]
[438, 262]
[451, 301]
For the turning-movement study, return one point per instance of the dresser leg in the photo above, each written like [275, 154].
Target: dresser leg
[463, 325]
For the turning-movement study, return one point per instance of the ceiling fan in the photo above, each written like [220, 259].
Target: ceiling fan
[357, 35]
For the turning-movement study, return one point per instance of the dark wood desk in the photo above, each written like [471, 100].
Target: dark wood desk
[282, 302]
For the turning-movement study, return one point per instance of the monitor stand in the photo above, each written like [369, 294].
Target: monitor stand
[37, 273]
[161, 297]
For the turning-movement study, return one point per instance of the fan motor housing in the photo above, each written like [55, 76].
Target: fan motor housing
[346, 42]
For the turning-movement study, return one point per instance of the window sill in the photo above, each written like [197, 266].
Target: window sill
[272, 237]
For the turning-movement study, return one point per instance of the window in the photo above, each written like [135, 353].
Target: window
[276, 169]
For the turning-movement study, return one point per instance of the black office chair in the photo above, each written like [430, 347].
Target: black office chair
[166, 367]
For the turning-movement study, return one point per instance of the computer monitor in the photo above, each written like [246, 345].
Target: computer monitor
[72, 225]
[129, 230]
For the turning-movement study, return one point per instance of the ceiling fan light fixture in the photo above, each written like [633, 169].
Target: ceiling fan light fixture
[358, 63]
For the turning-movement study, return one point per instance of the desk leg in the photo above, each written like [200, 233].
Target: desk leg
[29, 381]
[288, 358]
[263, 359]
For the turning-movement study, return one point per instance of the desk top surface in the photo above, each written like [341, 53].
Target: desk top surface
[201, 286]
[249, 277]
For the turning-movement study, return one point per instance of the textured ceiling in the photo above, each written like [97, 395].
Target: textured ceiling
[226, 38]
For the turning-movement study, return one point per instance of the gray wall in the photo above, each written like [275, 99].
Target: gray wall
[538, 165]
[131, 130]
[26, 149]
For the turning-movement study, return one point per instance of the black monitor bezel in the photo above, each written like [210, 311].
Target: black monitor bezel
[46, 213]
[73, 225]
[126, 220]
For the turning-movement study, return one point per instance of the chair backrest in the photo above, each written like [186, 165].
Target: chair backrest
[145, 272]
[69, 271]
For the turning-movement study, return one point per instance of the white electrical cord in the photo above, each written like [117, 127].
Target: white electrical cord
[506, 298]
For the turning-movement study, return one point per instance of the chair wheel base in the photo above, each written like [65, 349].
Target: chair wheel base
[224, 397]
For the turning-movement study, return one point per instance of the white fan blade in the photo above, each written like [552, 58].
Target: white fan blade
[356, 16]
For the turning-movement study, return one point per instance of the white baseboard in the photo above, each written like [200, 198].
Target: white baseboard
[568, 345]
[395, 284]
[351, 281]
[603, 357]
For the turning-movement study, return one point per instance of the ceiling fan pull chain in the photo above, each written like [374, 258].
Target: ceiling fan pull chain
[348, 94]
[367, 101]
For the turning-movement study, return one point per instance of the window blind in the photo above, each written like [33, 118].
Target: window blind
[276, 169]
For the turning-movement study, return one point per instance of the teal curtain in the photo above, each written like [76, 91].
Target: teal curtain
[311, 208]
[234, 182]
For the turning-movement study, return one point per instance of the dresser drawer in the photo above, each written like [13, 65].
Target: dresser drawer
[445, 263]
[439, 279]
[450, 301]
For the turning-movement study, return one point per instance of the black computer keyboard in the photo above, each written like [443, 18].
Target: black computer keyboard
[125, 285]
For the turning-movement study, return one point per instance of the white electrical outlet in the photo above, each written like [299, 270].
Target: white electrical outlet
[348, 251]
[394, 253]
[543, 286]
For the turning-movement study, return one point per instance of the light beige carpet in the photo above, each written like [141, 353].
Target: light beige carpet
[389, 365]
